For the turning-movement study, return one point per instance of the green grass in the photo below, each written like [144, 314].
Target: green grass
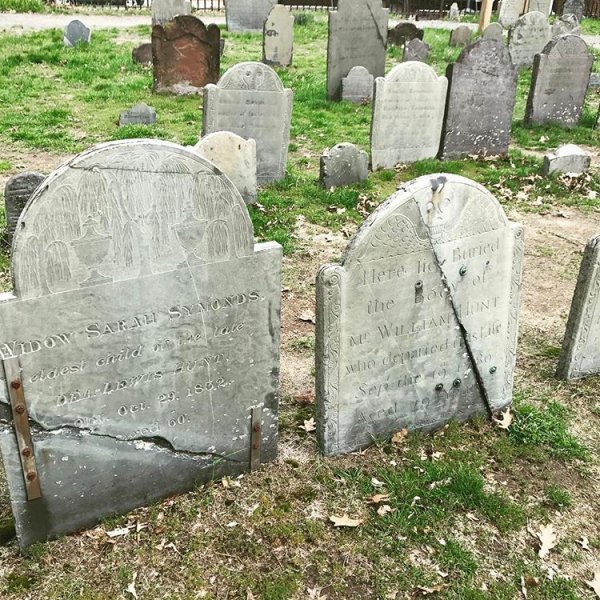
[22, 6]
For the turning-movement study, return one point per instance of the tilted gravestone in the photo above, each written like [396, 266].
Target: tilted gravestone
[527, 38]
[247, 15]
[416, 50]
[561, 73]
[344, 164]
[17, 191]
[494, 31]
[565, 24]
[567, 159]
[543, 6]
[140, 114]
[403, 33]
[186, 55]
[164, 11]
[357, 86]
[235, 156]
[574, 7]
[250, 100]
[278, 37]
[76, 32]
[482, 87]
[141, 345]
[142, 54]
[510, 11]
[357, 37]
[580, 354]
[460, 36]
[408, 109]
[418, 324]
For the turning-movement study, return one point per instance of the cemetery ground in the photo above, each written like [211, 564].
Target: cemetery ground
[455, 514]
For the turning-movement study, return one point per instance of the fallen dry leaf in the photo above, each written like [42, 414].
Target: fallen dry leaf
[384, 509]
[131, 586]
[376, 483]
[378, 498]
[309, 425]
[307, 316]
[504, 419]
[345, 521]
[595, 583]
[399, 437]
[584, 543]
[120, 531]
[426, 591]
[547, 538]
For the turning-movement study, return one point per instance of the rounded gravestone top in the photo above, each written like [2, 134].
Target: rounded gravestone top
[251, 76]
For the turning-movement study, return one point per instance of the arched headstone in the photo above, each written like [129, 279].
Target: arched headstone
[278, 37]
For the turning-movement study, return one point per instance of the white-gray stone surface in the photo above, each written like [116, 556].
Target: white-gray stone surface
[357, 86]
[565, 24]
[416, 50]
[527, 38]
[568, 159]
[140, 114]
[574, 7]
[17, 191]
[454, 12]
[344, 164]
[494, 31]
[460, 36]
[278, 37]
[164, 11]
[543, 6]
[408, 109]
[76, 32]
[247, 15]
[510, 11]
[250, 100]
[418, 324]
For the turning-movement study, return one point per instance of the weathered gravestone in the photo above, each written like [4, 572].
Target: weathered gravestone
[140, 114]
[416, 50]
[357, 37]
[510, 11]
[418, 324]
[403, 33]
[574, 7]
[568, 159]
[141, 341]
[580, 354]
[565, 24]
[408, 109]
[357, 86]
[142, 54]
[543, 6]
[235, 156]
[185, 55]
[561, 73]
[247, 15]
[17, 191]
[527, 38]
[76, 32]
[164, 11]
[454, 12]
[344, 164]
[482, 87]
[594, 82]
[460, 36]
[278, 37]
[250, 100]
[494, 31]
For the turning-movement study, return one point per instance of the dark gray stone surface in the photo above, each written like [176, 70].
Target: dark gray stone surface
[460, 36]
[140, 114]
[344, 164]
[357, 37]
[574, 7]
[17, 192]
[142, 54]
[76, 32]
[528, 37]
[561, 74]
[403, 33]
[247, 15]
[416, 50]
[357, 86]
[482, 86]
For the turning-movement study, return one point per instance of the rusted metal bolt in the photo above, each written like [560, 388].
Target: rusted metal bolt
[26, 452]
[493, 370]
[456, 382]
[19, 409]
[31, 476]
[439, 387]
[15, 385]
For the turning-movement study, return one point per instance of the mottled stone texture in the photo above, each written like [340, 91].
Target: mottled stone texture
[569, 159]
[510, 11]
[278, 37]
[580, 354]
[574, 7]
[357, 86]
[494, 31]
[418, 324]
[403, 33]
[17, 192]
[344, 164]
[76, 32]
[482, 87]
[565, 24]
[416, 50]
[142, 54]
[150, 328]
[561, 74]
[164, 11]
[250, 100]
[140, 114]
[186, 55]
[527, 38]
[543, 6]
[454, 12]
[247, 15]
[357, 37]
[460, 36]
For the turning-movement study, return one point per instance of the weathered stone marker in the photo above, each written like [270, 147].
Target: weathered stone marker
[527, 38]
[186, 55]
[482, 87]
[250, 100]
[568, 159]
[247, 15]
[357, 37]
[408, 109]
[164, 11]
[142, 54]
[454, 12]
[344, 164]
[404, 32]
[76, 32]
[357, 86]
[415, 50]
[565, 24]
[418, 324]
[278, 37]
[574, 7]
[236, 157]
[145, 325]
[543, 6]
[494, 31]
[17, 191]
[140, 114]
[510, 11]
[561, 73]
[460, 36]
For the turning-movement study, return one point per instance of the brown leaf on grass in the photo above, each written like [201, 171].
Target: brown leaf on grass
[504, 419]
[305, 398]
[595, 583]
[547, 538]
[307, 316]
[399, 437]
[309, 425]
[584, 543]
[420, 591]
[378, 498]
[345, 521]
[384, 509]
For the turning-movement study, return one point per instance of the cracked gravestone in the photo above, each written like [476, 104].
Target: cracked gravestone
[278, 37]
[144, 327]
[482, 87]
[357, 86]
[164, 11]
[460, 36]
[527, 38]
[140, 114]
[418, 324]
[494, 31]
[76, 32]
[344, 164]
[408, 109]
[358, 32]
[17, 191]
[186, 55]
[561, 74]
[510, 11]
[250, 100]
[403, 33]
[247, 15]
[416, 50]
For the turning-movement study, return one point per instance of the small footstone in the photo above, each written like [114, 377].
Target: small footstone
[569, 159]
[416, 50]
[140, 114]
[594, 83]
[357, 86]
[494, 31]
[460, 36]
[17, 192]
[75, 32]
[142, 54]
[344, 164]
[527, 38]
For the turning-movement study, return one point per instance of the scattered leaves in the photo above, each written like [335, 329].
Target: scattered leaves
[384, 509]
[548, 540]
[345, 521]
[309, 425]
[399, 437]
[420, 591]
[378, 498]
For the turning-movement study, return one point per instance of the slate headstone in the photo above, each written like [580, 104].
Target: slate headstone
[404, 32]
[569, 159]
[250, 100]
[561, 73]
[344, 164]
[580, 354]
[482, 87]
[454, 12]
[460, 36]
[543, 6]
[247, 15]
[164, 11]
[574, 7]
[278, 37]
[140, 114]
[565, 24]
[236, 157]
[76, 32]
[527, 38]
[146, 325]
[408, 109]
[494, 31]
[418, 324]
[17, 191]
[142, 54]
[357, 86]
[510, 11]
[186, 55]
[357, 37]
[416, 50]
